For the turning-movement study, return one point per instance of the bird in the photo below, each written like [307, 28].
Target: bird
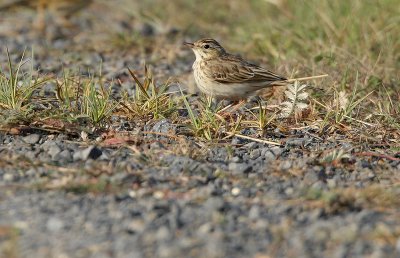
[222, 75]
[61, 10]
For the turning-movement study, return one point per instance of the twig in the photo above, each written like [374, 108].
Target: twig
[225, 108]
[134, 149]
[313, 135]
[254, 139]
[307, 78]
[362, 122]
[61, 169]
[378, 155]
[162, 134]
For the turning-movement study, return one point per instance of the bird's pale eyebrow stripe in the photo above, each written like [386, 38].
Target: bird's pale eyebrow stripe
[210, 41]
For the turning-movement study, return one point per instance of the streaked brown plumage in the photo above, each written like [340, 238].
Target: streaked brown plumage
[226, 76]
[61, 10]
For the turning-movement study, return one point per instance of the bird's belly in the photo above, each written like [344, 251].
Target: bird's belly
[231, 91]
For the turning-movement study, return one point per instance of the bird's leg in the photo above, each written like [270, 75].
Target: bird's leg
[226, 107]
[215, 103]
[233, 107]
[238, 105]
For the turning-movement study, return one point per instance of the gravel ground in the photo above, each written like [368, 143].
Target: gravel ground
[160, 196]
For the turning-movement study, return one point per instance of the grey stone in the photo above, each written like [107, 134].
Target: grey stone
[254, 212]
[54, 150]
[295, 142]
[239, 167]
[285, 165]
[250, 145]
[331, 182]
[310, 177]
[77, 155]
[204, 229]
[269, 155]
[214, 203]
[367, 174]
[162, 233]
[48, 144]
[254, 154]
[235, 159]
[136, 226]
[289, 191]
[31, 154]
[54, 224]
[164, 126]
[319, 185]
[8, 177]
[64, 156]
[91, 152]
[32, 138]
[31, 172]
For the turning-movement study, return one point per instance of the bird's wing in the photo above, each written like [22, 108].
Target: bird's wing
[236, 70]
[264, 74]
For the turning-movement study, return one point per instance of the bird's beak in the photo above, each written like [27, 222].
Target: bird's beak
[191, 45]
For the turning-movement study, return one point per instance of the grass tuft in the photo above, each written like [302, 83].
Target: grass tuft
[84, 97]
[206, 123]
[17, 88]
[149, 100]
[96, 102]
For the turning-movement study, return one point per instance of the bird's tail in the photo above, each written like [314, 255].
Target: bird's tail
[306, 78]
[285, 82]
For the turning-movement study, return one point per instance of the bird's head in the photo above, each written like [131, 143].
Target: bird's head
[206, 49]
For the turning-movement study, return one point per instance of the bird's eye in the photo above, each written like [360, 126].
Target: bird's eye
[206, 46]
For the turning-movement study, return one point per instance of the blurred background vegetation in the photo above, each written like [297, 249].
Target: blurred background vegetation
[359, 32]
[337, 37]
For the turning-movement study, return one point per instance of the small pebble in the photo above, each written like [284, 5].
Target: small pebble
[235, 191]
[54, 224]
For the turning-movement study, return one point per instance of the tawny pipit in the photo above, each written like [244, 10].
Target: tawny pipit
[226, 76]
